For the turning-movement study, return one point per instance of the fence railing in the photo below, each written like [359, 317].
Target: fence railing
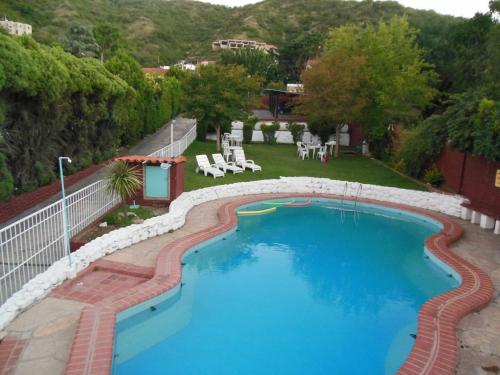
[32, 244]
[178, 147]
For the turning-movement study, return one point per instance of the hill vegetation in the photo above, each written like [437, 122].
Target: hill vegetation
[167, 31]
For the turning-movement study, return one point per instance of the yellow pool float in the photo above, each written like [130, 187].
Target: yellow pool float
[257, 212]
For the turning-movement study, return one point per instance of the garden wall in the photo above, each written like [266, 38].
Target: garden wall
[473, 177]
[41, 285]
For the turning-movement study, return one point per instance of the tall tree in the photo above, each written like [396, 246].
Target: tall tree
[256, 62]
[109, 39]
[79, 40]
[295, 52]
[335, 91]
[401, 82]
[217, 95]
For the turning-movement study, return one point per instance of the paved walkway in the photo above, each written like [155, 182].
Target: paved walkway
[45, 331]
[146, 146]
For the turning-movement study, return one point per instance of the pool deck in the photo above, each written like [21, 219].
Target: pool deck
[41, 339]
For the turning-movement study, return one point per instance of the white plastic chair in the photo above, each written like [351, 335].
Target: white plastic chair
[303, 152]
[222, 164]
[226, 150]
[321, 153]
[243, 163]
[207, 168]
[299, 145]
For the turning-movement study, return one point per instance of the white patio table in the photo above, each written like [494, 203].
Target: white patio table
[313, 147]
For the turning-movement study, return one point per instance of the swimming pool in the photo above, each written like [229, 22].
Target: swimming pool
[300, 290]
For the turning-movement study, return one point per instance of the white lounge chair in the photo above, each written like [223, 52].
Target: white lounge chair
[243, 163]
[205, 166]
[225, 166]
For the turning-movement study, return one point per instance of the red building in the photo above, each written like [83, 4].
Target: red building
[163, 179]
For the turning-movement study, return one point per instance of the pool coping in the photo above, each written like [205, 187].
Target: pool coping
[435, 348]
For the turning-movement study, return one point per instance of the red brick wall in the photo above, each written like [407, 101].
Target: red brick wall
[473, 177]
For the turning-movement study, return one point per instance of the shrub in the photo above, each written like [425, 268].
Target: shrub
[201, 131]
[269, 133]
[297, 131]
[421, 146]
[322, 129]
[248, 127]
[6, 180]
[433, 176]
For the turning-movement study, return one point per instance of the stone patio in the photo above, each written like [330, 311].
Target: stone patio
[43, 334]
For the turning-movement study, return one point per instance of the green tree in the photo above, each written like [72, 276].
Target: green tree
[80, 41]
[256, 62]
[218, 94]
[335, 92]
[109, 39]
[295, 52]
[123, 180]
[401, 82]
[53, 103]
[6, 180]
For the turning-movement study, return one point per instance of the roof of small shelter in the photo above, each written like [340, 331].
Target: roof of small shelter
[151, 159]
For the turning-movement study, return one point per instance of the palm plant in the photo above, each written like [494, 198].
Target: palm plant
[123, 180]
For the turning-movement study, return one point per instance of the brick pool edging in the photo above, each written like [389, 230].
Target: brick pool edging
[435, 349]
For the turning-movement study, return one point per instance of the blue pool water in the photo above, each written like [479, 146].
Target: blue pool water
[300, 291]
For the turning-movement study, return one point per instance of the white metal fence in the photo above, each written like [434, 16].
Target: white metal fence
[178, 147]
[32, 244]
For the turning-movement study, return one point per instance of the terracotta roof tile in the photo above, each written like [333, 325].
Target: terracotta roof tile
[151, 159]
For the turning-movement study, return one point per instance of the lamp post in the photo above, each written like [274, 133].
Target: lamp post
[65, 213]
[172, 139]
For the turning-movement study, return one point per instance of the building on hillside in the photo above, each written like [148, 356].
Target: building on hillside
[16, 28]
[185, 66]
[295, 87]
[205, 63]
[242, 43]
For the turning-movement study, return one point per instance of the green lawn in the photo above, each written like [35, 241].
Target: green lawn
[281, 160]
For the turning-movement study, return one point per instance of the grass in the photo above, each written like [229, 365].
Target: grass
[281, 160]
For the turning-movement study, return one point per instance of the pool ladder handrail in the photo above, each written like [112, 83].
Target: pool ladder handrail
[359, 191]
[342, 210]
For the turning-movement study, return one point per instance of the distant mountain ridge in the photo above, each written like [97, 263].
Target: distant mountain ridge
[181, 29]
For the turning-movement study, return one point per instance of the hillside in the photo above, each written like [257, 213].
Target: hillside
[172, 30]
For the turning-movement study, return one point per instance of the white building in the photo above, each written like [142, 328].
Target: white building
[185, 66]
[241, 43]
[16, 28]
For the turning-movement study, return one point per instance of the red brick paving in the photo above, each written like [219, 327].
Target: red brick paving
[435, 349]
[10, 351]
[101, 280]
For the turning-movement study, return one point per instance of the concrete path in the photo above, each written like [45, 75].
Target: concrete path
[146, 146]
[49, 326]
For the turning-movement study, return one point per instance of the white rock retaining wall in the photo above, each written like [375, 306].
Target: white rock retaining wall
[42, 284]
